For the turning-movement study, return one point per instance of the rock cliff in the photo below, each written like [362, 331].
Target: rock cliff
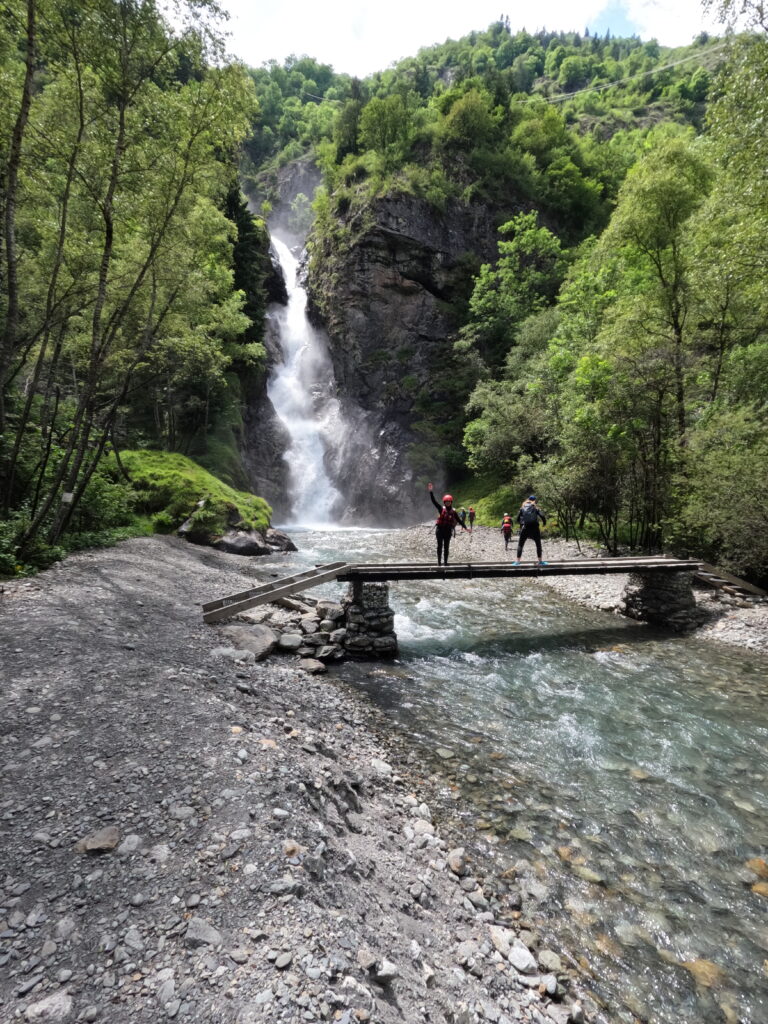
[390, 301]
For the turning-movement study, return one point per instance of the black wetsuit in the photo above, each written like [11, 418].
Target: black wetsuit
[444, 531]
[530, 531]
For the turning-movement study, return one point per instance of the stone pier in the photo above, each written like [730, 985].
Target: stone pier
[369, 621]
[665, 598]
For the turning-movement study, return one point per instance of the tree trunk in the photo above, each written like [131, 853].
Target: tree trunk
[9, 337]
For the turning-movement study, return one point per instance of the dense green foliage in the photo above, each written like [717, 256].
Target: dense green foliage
[552, 119]
[173, 489]
[132, 274]
[613, 356]
[622, 375]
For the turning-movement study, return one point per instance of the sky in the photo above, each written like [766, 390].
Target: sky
[364, 36]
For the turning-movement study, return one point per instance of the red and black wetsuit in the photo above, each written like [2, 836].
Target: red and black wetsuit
[444, 530]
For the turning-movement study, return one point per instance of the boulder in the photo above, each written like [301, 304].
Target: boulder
[259, 639]
[242, 542]
[279, 541]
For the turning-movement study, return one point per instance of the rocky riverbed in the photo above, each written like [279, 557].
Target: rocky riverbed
[724, 619]
[172, 847]
[187, 836]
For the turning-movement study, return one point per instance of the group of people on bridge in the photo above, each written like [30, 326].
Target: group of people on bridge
[448, 519]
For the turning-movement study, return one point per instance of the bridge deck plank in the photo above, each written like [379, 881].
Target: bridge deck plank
[372, 572]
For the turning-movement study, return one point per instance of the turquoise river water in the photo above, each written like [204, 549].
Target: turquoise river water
[628, 764]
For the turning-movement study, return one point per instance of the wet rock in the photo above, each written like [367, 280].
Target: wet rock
[242, 542]
[550, 961]
[279, 541]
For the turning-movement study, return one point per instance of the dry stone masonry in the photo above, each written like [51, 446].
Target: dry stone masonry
[661, 597]
[369, 621]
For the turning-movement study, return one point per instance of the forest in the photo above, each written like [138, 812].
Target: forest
[614, 356]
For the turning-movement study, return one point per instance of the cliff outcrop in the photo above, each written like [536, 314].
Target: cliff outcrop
[390, 293]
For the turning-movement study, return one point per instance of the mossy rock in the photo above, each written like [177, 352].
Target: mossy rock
[174, 490]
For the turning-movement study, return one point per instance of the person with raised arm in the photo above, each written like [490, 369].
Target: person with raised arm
[445, 524]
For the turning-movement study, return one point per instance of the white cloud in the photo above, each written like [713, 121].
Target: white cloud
[673, 24]
[364, 36]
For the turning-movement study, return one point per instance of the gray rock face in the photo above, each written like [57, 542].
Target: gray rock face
[384, 303]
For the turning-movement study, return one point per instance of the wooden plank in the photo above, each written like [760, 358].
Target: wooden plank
[289, 585]
[376, 574]
[263, 588]
[742, 584]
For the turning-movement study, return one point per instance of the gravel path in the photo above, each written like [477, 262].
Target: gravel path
[171, 847]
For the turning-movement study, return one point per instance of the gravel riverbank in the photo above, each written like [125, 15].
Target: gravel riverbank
[172, 847]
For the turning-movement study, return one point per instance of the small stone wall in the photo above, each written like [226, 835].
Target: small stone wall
[665, 598]
[369, 621]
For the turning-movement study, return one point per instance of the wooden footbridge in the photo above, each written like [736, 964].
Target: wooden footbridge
[367, 572]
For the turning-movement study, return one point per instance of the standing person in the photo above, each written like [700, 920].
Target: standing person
[528, 517]
[445, 524]
[506, 529]
[471, 514]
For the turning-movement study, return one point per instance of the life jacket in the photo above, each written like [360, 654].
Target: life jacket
[506, 523]
[446, 519]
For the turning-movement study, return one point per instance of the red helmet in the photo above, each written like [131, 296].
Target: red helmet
[447, 497]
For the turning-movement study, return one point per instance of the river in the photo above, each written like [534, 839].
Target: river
[623, 767]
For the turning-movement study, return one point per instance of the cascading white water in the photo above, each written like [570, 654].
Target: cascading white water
[299, 390]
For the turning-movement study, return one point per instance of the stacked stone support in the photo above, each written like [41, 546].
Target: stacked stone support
[665, 598]
[369, 621]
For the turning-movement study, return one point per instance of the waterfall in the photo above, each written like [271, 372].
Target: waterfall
[300, 389]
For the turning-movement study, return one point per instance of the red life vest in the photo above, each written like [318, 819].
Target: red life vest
[447, 518]
[506, 523]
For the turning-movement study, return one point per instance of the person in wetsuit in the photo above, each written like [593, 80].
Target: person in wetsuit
[528, 517]
[471, 518]
[445, 524]
[506, 529]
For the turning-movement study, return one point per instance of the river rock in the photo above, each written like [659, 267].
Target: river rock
[313, 666]
[290, 642]
[522, 959]
[457, 861]
[101, 841]
[502, 939]
[550, 961]
[242, 542]
[55, 1007]
[201, 933]
[259, 639]
[279, 541]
